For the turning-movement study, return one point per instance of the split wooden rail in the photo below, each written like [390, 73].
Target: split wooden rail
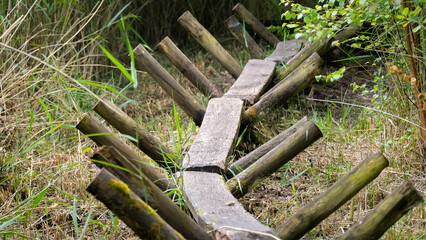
[133, 187]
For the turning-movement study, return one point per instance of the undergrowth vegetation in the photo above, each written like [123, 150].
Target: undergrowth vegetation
[59, 57]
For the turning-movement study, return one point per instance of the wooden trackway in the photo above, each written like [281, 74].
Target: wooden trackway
[133, 188]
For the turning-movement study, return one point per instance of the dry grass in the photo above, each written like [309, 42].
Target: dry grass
[45, 168]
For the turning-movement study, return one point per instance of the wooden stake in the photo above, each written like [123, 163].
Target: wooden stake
[210, 44]
[298, 80]
[334, 197]
[243, 37]
[273, 160]
[392, 208]
[138, 215]
[146, 190]
[191, 72]
[102, 136]
[185, 100]
[259, 152]
[244, 15]
[145, 141]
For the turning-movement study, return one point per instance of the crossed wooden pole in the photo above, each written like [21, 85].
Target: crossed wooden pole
[135, 188]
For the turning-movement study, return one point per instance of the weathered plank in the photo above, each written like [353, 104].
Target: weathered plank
[214, 208]
[243, 14]
[191, 72]
[210, 43]
[216, 138]
[285, 50]
[243, 37]
[254, 79]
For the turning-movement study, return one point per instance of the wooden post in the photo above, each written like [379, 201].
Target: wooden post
[210, 44]
[318, 46]
[259, 152]
[392, 208]
[191, 72]
[298, 80]
[321, 46]
[244, 15]
[273, 160]
[243, 37]
[102, 136]
[138, 215]
[146, 190]
[185, 100]
[145, 141]
[334, 197]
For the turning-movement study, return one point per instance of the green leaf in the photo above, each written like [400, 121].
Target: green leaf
[405, 11]
[307, 20]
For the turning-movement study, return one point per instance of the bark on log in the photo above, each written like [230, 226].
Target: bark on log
[191, 72]
[392, 208]
[319, 46]
[253, 81]
[259, 152]
[185, 100]
[146, 190]
[102, 136]
[210, 44]
[216, 138]
[298, 80]
[138, 215]
[273, 160]
[334, 197]
[244, 15]
[145, 141]
[243, 37]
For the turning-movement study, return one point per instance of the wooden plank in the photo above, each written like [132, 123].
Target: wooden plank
[257, 74]
[214, 208]
[285, 50]
[216, 138]
[210, 43]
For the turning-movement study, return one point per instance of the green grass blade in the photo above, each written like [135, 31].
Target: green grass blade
[47, 111]
[85, 225]
[116, 15]
[117, 64]
[74, 218]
